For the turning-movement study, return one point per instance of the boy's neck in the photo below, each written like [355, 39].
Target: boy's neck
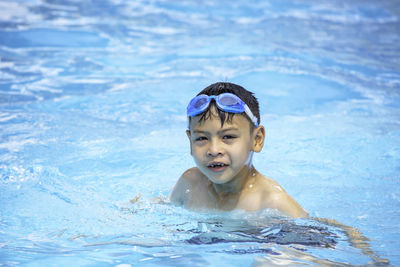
[236, 185]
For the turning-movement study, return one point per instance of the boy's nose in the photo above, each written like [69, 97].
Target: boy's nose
[215, 149]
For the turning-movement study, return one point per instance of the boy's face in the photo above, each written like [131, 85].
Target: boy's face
[222, 153]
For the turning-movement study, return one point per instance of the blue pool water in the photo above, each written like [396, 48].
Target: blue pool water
[92, 130]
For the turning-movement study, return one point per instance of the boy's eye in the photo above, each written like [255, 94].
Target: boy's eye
[228, 136]
[200, 138]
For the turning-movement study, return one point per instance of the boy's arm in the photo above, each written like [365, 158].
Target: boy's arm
[176, 195]
[275, 197]
[357, 240]
[182, 186]
[284, 202]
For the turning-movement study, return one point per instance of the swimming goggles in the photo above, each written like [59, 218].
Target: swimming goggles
[226, 102]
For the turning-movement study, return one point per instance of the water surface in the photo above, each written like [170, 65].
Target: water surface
[92, 129]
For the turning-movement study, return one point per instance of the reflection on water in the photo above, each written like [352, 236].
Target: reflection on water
[282, 233]
[272, 239]
[92, 103]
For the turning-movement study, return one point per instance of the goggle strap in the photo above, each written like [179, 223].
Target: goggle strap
[250, 114]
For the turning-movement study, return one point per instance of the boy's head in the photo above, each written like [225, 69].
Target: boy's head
[252, 114]
[223, 152]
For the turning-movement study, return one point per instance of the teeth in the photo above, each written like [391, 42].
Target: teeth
[217, 165]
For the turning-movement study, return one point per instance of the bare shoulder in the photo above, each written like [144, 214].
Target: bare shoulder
[192, 175]
[183, 189]
[274, 196]
[268, 184]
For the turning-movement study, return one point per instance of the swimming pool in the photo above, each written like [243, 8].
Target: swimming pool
[92, 104]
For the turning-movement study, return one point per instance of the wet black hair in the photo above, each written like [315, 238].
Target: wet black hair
[226, 87]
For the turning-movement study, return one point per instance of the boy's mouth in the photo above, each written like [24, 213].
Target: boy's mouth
[217, 166]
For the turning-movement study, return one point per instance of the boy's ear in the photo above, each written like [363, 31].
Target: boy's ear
[189, 135]
[258, 138]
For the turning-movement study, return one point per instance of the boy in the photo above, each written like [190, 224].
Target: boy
[224, 132]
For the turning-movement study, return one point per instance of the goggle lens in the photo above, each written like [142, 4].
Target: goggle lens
[227, 102]
[201, 102]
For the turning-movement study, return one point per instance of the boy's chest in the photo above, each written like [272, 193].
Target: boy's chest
[250, 202]
[205, 198]
[200, 198]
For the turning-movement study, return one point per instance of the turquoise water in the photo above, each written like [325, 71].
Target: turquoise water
[92, 130]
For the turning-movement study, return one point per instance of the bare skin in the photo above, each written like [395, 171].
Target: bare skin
[234, 183]
[225, 178]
